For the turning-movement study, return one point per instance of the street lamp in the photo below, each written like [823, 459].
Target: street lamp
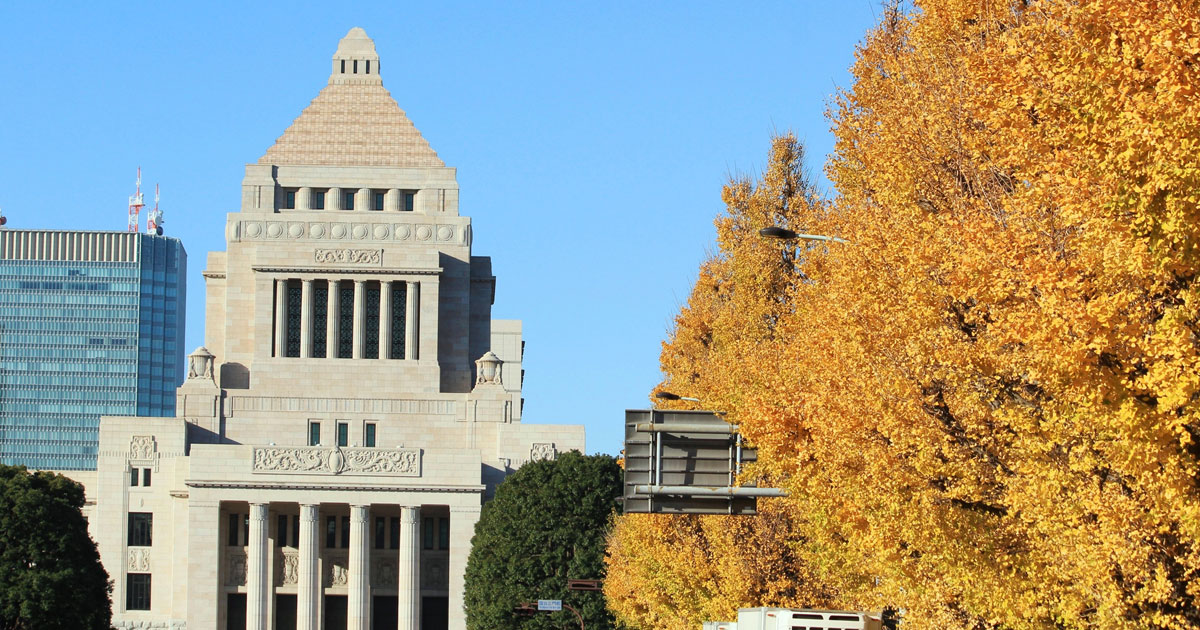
[785, 234]
[670, 396]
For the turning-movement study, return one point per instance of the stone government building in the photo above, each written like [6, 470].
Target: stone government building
[353, 404]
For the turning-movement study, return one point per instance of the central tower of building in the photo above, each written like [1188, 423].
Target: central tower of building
[352, 407]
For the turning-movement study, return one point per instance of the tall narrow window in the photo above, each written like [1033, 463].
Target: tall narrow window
[320, 317]
[281, 533]
[399, 306]
[314, 433]
[355, 66]
[137, 591]
[343, 66]
[330, 532]
[246, 529]
[345, 532]
[348, 200]
[394, 534]
[443, 533]
[141, 525]
[346, 323]
[296, 531]
[289, 199]
[380, 532]
[343, 434]
[427, 527]
[231, 535]
[368, 66]
[295, 301]
[146, 477]
[369, 435]
[409, 200]
[371, 321]
[317, 199]
[377, 199]
[133, 476]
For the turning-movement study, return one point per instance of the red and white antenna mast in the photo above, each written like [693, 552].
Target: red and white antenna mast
[154, 219]
[136, 204]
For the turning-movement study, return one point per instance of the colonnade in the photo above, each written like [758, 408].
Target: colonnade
[308, 587]
[386, 325]
[394, 199]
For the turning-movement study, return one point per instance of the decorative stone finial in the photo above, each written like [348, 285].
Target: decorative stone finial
[487, 369]
[356, 60]
[200, 364]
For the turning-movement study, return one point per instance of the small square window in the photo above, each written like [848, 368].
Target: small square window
[137, 591]
[146, 477]
[369, 435]
[348, 200]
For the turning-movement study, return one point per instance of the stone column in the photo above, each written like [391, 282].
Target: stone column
[306, 319]
[412, 321]
[332, 325]
[391, 200]
[358, 612]
[308, 583]
[385, 319]
[333, 199]
[360, 316]
[362, 201]
[408, 569]
[462, 527]
[304, 199]
[256, 569]
[280, 316]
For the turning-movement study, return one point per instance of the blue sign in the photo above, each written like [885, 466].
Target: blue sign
[550, 604]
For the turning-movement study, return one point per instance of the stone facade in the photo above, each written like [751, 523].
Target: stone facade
[353, 406]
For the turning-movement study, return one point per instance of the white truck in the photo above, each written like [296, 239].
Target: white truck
[799, 619]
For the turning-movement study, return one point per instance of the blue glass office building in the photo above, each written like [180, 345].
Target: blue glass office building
[91, 324]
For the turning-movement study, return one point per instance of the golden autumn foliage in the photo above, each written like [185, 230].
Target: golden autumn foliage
[986, 406]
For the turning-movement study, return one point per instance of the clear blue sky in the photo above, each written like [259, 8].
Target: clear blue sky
[591, 141]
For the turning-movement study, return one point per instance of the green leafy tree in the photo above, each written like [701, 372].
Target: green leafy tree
[50, 571]
[547, 524]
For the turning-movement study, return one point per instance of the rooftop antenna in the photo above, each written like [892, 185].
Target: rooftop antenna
[136, 203]
[154, 219]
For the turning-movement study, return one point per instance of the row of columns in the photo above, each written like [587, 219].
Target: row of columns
[393, 199]
[412, 318]
[308, 587]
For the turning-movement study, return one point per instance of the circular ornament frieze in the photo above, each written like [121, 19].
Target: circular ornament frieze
[254, 230]
[274, 230]
[424, 232]
[296, 230]
[360, 231]
[403, 232]
[338, 231]
[445, 233]
[381, 232]
[317, 230]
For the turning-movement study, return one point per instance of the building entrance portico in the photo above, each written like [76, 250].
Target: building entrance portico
[317, 566]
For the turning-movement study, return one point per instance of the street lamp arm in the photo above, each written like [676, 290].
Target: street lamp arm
[790, 235]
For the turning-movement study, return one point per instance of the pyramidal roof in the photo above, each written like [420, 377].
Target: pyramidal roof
[353, 121]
